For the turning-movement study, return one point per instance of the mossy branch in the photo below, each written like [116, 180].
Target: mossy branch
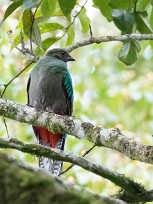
[132, 190]
[110, 138]
[38, 150]
[23, 184]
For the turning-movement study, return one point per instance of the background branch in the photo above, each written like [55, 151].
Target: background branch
[25, 51]
[110, 38]
[111, 138]
[131, 188]
[22, 184]
[94, 40]
[85, 153]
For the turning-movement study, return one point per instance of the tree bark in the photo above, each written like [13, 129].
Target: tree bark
[110, 138]
[127, 184]
[23, 184]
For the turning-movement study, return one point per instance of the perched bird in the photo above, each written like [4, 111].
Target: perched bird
[50, 89]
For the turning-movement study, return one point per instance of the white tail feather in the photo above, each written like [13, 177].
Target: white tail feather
[53, 166]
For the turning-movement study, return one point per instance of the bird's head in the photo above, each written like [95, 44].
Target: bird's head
[60, 54]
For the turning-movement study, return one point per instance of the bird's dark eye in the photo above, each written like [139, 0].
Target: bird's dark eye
[63, 53]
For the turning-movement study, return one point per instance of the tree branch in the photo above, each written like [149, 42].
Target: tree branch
[111, 138]
[131, 188]
[85, 153]
[95, 40]
[25, 51]
[38, 150]
[98, 40]
[23, 184]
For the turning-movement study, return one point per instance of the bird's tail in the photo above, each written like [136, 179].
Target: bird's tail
[49, 139]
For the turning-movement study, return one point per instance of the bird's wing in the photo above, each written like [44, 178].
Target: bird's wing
[68, 88]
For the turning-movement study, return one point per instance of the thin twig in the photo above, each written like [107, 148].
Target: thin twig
[6, 85]
[25, 51]
[91, 34]
[11, 41]
[31, 28]
[32, 23]
[72, 22]
[85, 153]
[6, 127]
[76, 15]
[22, 40]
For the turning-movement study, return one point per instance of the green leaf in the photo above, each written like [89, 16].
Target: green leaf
[66, 6]
[71, 36]
[84, 20]
[31, 28]
[124, 20]
[11, 9]
[120, 4]
[48, 27]
[36, 36]
[17, 40]
[58, 11]
[48, 42]
[28, 4]
[19, 22]
[142, 24]
[48, 7]
[151, 17]
[104, 7]
[142, 4]
[38, 52]
[129, 52]
[27, 22]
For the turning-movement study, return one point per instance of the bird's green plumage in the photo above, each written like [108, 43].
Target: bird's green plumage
[50, 78]
[68, 86]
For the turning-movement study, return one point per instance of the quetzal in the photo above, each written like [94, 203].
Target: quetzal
[50, 89]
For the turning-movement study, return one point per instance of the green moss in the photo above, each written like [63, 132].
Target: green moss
[20, 185]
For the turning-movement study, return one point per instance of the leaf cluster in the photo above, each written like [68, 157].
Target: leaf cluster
[129, 16]
[40, 22]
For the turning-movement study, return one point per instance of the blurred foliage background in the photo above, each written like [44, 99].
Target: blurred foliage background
[107, 93]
